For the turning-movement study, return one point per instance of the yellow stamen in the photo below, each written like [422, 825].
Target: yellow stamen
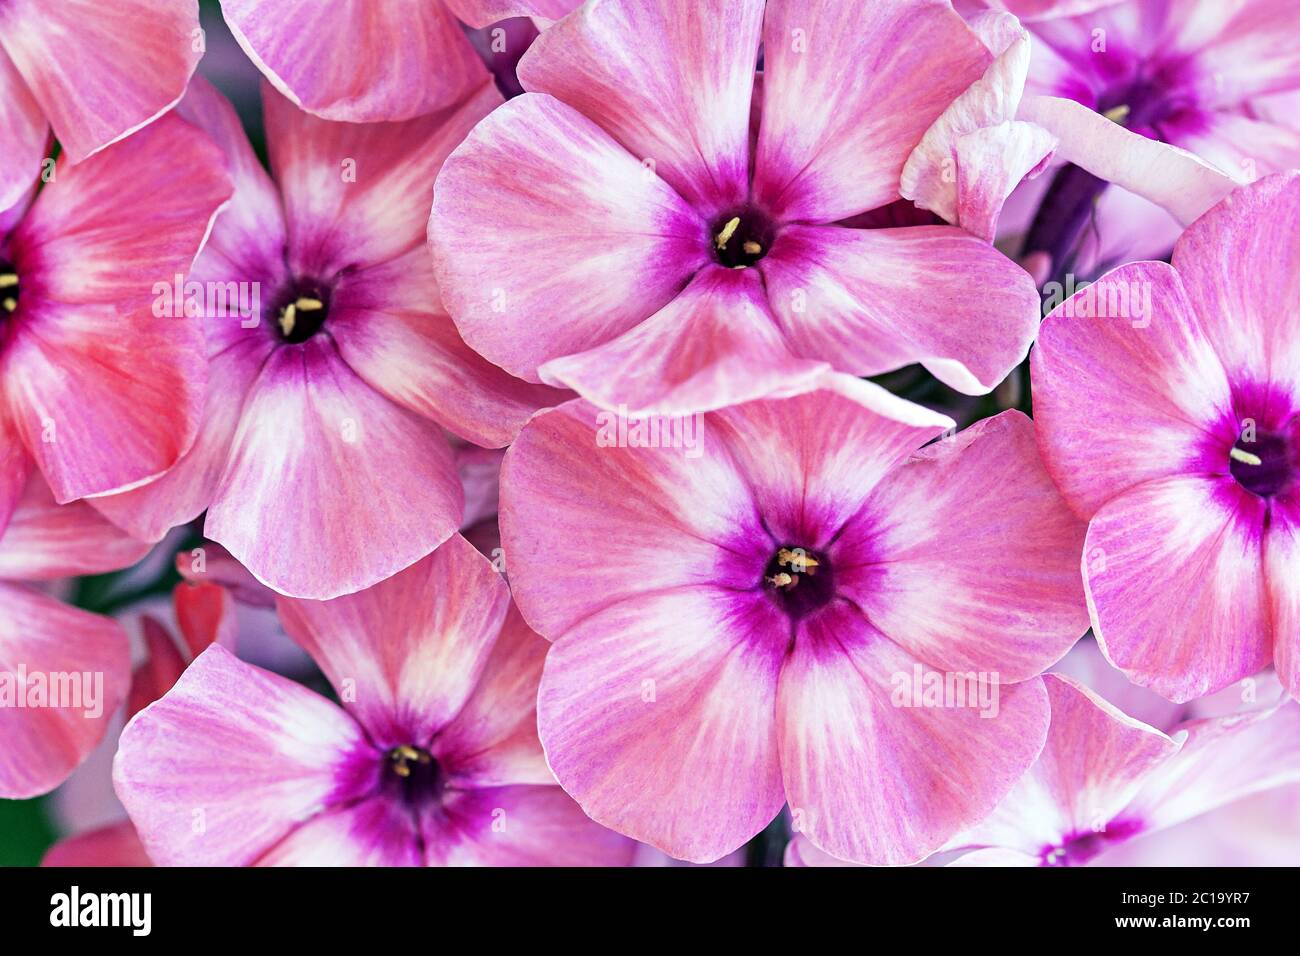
[309, 305]
[781, 580]
[1245, 457]
[728, 231]
[1117, 114]
[8, 280]
[10, 304]
[752, 248]
[287, 318]
[800, 562]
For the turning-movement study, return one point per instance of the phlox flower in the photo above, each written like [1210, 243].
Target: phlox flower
[432, 759]
[649, 226]
[731, 624]
[93, 71]
[41, 637]
[322, 461]
[1167, 399]
[364, 61]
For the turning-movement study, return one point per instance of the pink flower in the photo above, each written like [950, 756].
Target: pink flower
[364, 61]
[81, 660]
[621, 230]
[96, 391]
[1192, 73]
[1168, 412]
[732, 616]
[96, 72]
[432, 759]
[1104, 779]
[322, 463]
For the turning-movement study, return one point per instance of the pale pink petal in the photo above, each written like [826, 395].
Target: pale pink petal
[871, 781]
[670, 81]
[578, 245]
[482, 13]
[802, 852]
[843, 108]
[519, 826]
[716, 344]
[378, 482]
[1126, 387]
[1047, 9]
[1095, 759]
[405, 653]
[76, 668]
[46, 540]
[917, 558]
[15, 467]
[113, 845]
[371, 832]
[1173, 570]
[1242, 50]
[26, 135]
[1086, 665]
[102, 71]
[658, 717]
[230, 762]
[873, 300]
[1282, 576]
[995, 856]
[105, 392]
[356, 60]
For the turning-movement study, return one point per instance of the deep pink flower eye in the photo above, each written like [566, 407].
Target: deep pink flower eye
[301, 309]
[1264, 466]
[412, 775]
[800, 581]
[8, 288]
[742, 237]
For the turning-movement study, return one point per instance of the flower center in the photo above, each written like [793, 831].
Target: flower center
[1263, 463]
[8, 289]
[301, 310]
[741, 238]
[411, 774]
[799, 580]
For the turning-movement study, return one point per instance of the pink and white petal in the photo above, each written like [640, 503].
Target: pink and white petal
[1171, 177]
[26, 135]
[1095, 759]
[376, 831]
[1242, 50]
[482, 13]
[379, 481]
[658, 717]
[844, 108]
[991, 162]
[1244, 147]
[671, 82]
[358, 194]
[1132, 344]
[141, 54]
[1031, 10]
[46, 540]
[1237, 307]
[995, 856]
[405, 654]
[1173, 570]
[71, 670]
[716, 344]
[1086, 665]
[1282, 576]
[390, 327]
[110, 846]
[355, 60]
[15, 467]
[519, 826]
[802, 852]
[492, 741]
[916, 559]
[873, 300]
[1223, 759]
[105, 392]
[874, 782]
[577, 246]
[231, 761]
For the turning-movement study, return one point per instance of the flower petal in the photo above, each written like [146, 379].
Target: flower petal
[113, 845]
[371, 832]
[230, 762]
[482, 13]
[26, 135]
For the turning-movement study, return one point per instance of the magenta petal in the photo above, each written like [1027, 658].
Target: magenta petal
[1143, 552]
[405, 654]
[670, 81]
[715, 344]
[371, 832]
[356, 60]
[578, 245]
[870, 781]
[26, 135]
[843, 108]
[313, 434]
[230, 762]
[83, 662]
[140, 53]
[934, 527]
[873, 300]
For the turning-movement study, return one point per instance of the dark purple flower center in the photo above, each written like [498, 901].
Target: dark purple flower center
[300, 310]
[742, 237]
[411, 775]
[799, 580]
[1262, 463]
[1081, 847]
[9, 288]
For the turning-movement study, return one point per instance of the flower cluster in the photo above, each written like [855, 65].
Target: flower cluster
[544, 432]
